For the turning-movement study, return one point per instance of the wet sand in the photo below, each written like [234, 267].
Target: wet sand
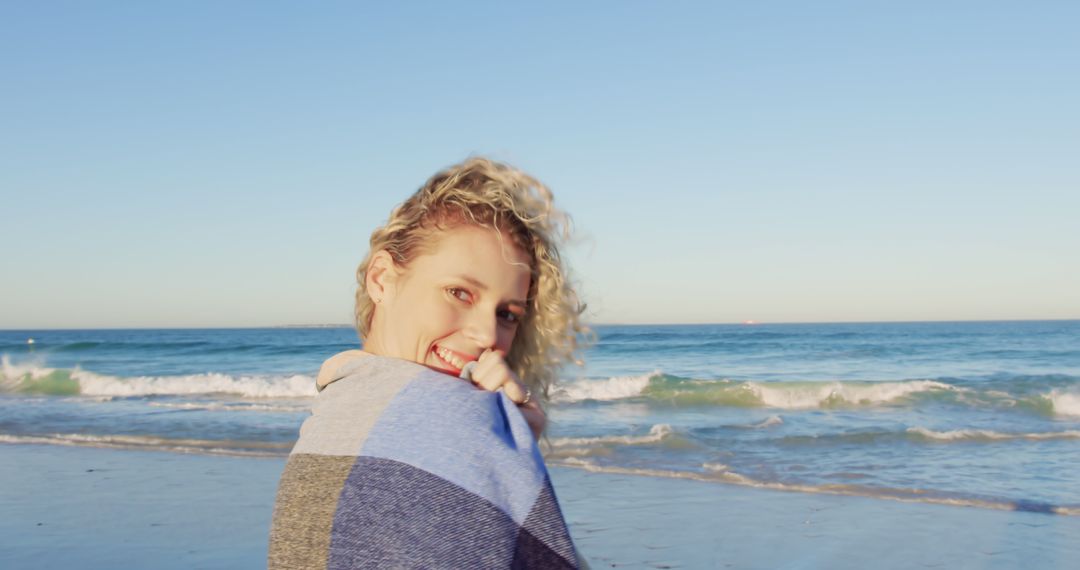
[104, 508]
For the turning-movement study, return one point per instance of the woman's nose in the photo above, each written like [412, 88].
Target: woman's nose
[481, 329]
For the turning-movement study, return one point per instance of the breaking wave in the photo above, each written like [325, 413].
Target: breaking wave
[33, 379]
[614, 388]
[664, 389]
[988, 435]
[1064, 403]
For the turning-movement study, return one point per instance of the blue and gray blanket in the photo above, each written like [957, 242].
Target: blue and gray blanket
[400, 466]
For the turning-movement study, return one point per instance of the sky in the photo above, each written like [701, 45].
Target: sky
[217, 164]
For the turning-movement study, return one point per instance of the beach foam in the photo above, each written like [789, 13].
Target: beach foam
[719, 473]
[667, 389]
[771, 421]
[613, 388]
[657, 433]
[229, 406]
[988, 435]
[1065, 403]
[210, 383]
[177, 445]
[660, 435]
[35, 378]
[828, 394]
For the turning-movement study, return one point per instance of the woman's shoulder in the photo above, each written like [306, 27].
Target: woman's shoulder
[329, 370]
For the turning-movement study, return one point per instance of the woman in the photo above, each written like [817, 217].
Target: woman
[403, 464]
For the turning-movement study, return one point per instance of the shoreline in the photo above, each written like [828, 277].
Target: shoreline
[724, 477]
[107, 508]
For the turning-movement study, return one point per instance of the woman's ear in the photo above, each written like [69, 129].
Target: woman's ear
[381, 277]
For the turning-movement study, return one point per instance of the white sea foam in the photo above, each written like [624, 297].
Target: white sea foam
[656, 433]
[715, 467]
[718, 473]
[766, 423]
[229, 407]
[788, 395]
[814, 395]
[989, 435]
[103, 385]
[93, 384]
[1065, 403]
[11, 374]
[614, 388]
[214, 447]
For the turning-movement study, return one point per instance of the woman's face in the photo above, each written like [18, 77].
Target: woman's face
[466, 295]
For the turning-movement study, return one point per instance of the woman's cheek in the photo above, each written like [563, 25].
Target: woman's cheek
[449, 317]
[441, 309]
[505, 340]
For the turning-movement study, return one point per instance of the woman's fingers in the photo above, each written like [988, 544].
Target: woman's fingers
[492, 373]
[517, 392]
[487, 374]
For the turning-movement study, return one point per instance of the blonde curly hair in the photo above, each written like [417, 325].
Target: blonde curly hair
[481, 192]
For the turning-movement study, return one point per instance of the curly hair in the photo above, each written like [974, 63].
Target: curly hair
[481, 192]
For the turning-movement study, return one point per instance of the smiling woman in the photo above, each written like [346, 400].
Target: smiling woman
[458, 303]
[405, 464]
[491, 219]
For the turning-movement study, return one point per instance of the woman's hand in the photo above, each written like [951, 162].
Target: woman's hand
[492, 373]
[534, 416]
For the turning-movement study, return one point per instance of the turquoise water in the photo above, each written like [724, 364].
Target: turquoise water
[984, 414]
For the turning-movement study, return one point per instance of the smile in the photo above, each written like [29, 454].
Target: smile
[450, 358]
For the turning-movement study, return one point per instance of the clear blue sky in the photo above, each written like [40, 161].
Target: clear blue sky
[223, 163]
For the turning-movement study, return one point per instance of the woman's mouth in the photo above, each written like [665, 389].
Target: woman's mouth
[449, 359]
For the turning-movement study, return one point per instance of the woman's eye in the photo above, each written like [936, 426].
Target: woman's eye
[509, 317]
[461, 294]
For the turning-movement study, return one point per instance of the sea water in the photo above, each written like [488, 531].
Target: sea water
[982, 414]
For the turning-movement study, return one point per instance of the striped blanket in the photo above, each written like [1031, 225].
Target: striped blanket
[400, 466]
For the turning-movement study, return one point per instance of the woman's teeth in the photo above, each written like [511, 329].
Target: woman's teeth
[449, 357]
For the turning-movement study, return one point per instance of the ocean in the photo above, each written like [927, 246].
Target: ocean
[978, 414]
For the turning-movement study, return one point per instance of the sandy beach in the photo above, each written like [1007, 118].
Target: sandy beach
[794, 284]
[102, 508]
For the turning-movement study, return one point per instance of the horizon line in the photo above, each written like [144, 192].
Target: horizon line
[607, 324]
